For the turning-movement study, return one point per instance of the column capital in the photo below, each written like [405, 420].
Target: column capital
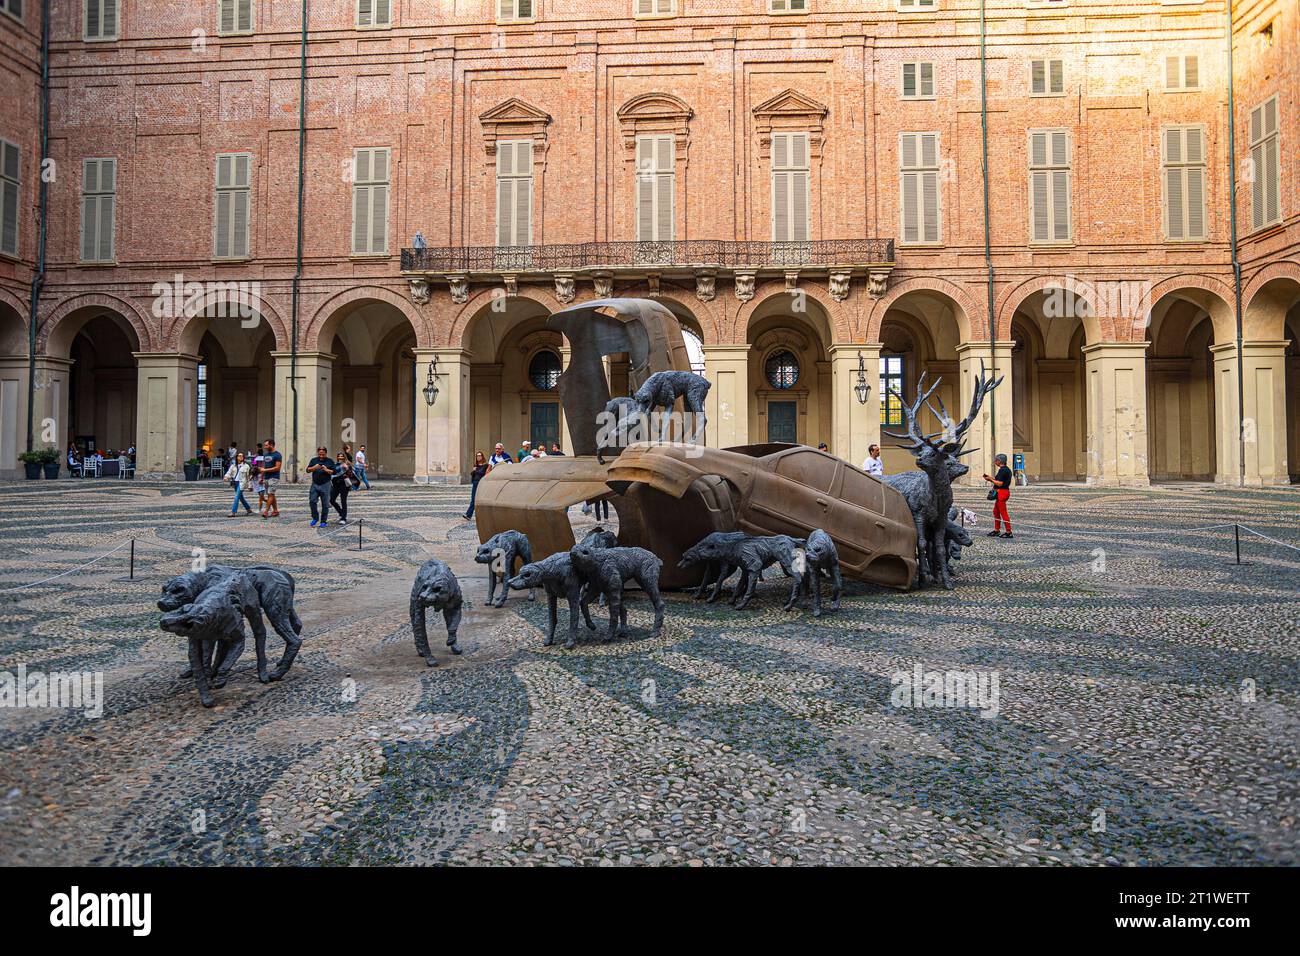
[166, 358]
[984, 345]
[1116, 348]
[851, 349]
[457, 353]
[286, 357]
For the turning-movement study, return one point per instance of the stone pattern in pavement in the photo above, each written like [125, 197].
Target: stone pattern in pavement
[1125, 732]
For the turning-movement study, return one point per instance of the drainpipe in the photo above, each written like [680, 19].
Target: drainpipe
[297, 270]
[1236, 263]
[38, 280]
[988, 254]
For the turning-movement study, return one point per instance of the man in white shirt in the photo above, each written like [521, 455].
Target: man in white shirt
[873, 465]
[359, 466]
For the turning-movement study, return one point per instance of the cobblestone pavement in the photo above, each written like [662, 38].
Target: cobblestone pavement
[1147, 704]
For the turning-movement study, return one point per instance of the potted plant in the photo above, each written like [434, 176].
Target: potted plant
[32, 462]
[50, 461]
[192, 469]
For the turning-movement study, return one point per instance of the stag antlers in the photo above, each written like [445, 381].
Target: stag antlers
[954, 435]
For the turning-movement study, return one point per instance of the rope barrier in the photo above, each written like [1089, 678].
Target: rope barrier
[1267, 538]
[64, 574]
[1168, 531]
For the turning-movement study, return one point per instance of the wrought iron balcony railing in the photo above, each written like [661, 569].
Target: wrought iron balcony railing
[625, 256]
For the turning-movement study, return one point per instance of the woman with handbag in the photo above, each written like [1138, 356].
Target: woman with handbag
[341, 484]
[238, 475]
[999, 494]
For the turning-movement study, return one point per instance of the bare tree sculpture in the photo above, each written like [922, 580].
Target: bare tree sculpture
[929, 491]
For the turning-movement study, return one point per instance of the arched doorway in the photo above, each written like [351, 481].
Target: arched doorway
[1181, 400]
[235, 381]
[1049, 407]
[789, 372]
[515, 365]
[102, 381]
[372, 391]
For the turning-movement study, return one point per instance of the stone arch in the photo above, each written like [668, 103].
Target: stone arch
[331, 312]
[1267, 298]
[1097, 328]
[707, 315]
[461, 328]
[965, 311]
[61, 324]
[1209, 293]
[186, 332]
[834, 327]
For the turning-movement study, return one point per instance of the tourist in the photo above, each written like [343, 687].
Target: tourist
[555, 449]
[74, 460]
[1001, 491]
[237, 474]
[821, 446]
[359, 467]
[322, 470]
[272, 463]
[539, 451]
[499, 456]
[259, 485]
[873, 465]
[347, 451]
[481, 468]
[525, 451]
[340, 485]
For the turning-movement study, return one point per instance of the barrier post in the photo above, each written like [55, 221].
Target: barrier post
[132, 559]
[1236, 535]
[360, 521]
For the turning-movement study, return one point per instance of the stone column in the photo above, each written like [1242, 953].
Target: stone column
[1116, 401]
[50, 425]
[854, 427]
[166, 431]
[315, 384]
[1262, 430]
[442, 433]
[982, 434]
[727, 407]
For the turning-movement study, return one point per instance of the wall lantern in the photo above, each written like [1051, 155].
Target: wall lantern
[862, 390]
[431, 387]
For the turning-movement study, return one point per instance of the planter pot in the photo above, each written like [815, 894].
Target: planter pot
[52, 470]
[191, 472]
[33, 469]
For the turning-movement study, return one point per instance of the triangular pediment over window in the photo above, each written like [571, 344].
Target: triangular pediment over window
[791, 103]
[513, 119]
[789, 112]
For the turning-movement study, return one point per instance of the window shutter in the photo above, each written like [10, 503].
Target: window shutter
[10, 167]
[1172, 73]
[1264, 153]
[789, 187]
[226, 21]
[99, 184]
[244, 15]
[505, 193]
[1056, 76]
[239, 208]
[365, 13]
[645, 7]
[1191, 72]
[383, 13]
[925, 79]
[525, 11]
[94, 24]
[909, 80]
[1037, 76]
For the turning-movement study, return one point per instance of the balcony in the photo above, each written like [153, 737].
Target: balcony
[641, 257]
[704, 259]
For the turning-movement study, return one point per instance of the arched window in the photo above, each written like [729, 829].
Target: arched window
[782, 369]
[544, 370]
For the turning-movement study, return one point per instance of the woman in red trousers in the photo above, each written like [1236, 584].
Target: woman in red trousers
[1001, 483]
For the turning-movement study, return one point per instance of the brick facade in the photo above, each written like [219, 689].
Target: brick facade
[445, 83]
